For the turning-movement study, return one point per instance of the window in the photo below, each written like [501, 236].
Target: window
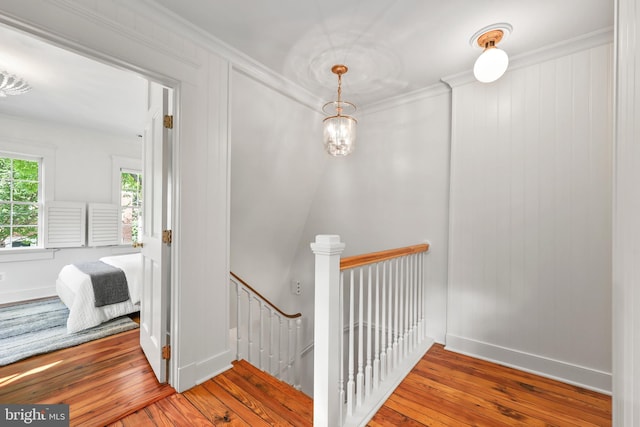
[130, 205]
[19, 201]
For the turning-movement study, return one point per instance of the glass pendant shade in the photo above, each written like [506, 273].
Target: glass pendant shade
[491, 65]
[339, 135]
[339, 128]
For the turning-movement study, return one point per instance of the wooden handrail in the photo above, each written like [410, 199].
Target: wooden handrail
[272, 305]
[364, 259]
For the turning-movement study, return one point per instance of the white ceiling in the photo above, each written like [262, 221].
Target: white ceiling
[70, 89]
[391, 47]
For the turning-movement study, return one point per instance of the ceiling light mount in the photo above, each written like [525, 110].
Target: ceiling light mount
[490, 38]
[339, 127]
[493, 61]
[339, 69]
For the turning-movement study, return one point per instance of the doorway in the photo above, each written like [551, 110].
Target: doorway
[91, 115]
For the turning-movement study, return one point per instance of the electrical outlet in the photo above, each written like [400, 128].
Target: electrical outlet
[2, 277]
[296, 287]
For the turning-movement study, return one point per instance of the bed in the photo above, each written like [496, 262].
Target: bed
[76, 291]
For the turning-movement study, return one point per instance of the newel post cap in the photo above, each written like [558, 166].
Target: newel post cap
[327, 244]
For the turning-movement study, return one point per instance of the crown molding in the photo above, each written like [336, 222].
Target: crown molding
[547, 53]
[239, 61]
[407, 98]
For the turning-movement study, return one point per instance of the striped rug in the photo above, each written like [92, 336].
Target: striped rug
[38, 327]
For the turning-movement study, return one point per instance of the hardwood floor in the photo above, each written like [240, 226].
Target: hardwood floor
[102, 381]
[449, 389]
[109, 382]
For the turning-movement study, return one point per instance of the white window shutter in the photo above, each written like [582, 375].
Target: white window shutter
[65, 224]
[104, 224]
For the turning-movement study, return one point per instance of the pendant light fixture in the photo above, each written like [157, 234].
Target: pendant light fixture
[493, 61]
[12, 85]
[339, 126]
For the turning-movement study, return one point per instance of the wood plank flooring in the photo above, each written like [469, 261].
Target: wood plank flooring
[110, 383]
[101, 381]
[242, 396]
[449, 389]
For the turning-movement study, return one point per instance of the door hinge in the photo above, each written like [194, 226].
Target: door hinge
[168, 121]
[167, 237]
[166, 352]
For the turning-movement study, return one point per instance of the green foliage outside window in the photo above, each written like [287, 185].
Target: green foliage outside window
[131, 205]
[19, 208]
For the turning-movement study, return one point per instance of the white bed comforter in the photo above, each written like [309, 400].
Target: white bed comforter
[75, 290]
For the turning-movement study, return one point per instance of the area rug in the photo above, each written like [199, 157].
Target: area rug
[39, 327]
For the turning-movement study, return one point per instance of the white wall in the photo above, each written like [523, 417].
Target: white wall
[277, 160]
[530, 244]
[82, 172]
[626, 218]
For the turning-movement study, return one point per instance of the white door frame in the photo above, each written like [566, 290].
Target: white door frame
[173, 206]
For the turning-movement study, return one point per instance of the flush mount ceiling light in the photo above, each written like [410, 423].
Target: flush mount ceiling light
[493, 61]
[12, 85]
[339, 126]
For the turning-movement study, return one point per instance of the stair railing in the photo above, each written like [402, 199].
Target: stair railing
[369, 328]
[264, 335]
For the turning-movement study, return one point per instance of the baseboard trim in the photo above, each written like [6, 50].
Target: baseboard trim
[196, 373]
[580, 376]
[14, 296]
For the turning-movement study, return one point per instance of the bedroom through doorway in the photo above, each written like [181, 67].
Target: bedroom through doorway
[86, 123]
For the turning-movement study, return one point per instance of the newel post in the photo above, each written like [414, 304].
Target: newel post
[327, 331]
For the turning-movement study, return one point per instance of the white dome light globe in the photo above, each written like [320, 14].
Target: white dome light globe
[491, 65]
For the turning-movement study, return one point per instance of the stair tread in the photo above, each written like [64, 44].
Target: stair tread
[246, 394]
[278, 395]
[246, 367]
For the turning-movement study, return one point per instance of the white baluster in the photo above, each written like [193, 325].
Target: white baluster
[421, 284]
[360, 374]
[412, 306]
[376, 353]
[384, 328]
[396, 315]
[405, 307]
[238, 323]
[418, 305]
[423, 280]
[250, 329]
[271, 341]
[407, 296]
[280, 360]
[368, 368]
[400, 310]
[298, 356]
[418, 334]
[262, 306]
[341, 391]
[290, 350]
[350, 376]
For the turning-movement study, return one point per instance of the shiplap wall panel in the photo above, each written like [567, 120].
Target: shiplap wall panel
[530, 214]
[626, 208]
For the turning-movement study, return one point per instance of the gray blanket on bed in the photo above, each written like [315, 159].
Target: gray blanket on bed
[109, 282]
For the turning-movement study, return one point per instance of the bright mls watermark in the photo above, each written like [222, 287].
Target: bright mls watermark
[34, 415]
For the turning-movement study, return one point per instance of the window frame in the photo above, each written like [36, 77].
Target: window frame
[122, 165]
[38, 203]
[27, 150]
